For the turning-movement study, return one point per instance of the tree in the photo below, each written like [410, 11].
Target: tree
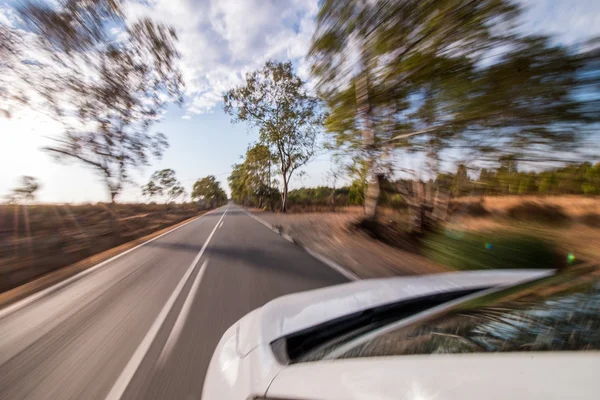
[333, 175]
[356, 195]
[250, 181]
[27, 189]
[151, 190]
[107, 92]
[162, 183]
[379, 61]
[432, 75]
[209, 191]
[176, 192]
[238, 183]
[460, 181]
[165, 178]
[275, 101]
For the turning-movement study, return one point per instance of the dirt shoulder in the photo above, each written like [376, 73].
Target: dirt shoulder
[479, 233]
[330, 234]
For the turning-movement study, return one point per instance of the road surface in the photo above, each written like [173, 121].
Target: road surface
[144, 325]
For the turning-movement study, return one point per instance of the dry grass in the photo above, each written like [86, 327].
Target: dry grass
[61, 274]
[568, 224]
[38, 239]
[574, 206]
[571, 223]
[577, 238]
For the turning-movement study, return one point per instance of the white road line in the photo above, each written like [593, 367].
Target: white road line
[183, 315]
[28, 300]
[220, 226]
[260, 221]
[287, 237]
[332, 264]
[123, 380]
[325, 260]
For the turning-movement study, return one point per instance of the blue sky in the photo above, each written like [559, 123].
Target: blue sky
[220, 40]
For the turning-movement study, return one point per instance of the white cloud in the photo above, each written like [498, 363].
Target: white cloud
[8, 17]
[571, 20]
[220, 40]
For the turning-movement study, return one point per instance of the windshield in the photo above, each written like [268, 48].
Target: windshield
[317, 341]
[559, 313]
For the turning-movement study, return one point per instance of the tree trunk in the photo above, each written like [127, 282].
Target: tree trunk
[333, 199]
[368, 141]
[427, 205]
[372, 197]
[16, 212]
[284, 196]
[29, 257]
[114, 220]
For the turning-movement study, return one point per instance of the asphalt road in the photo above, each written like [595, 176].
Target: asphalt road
[143, 326]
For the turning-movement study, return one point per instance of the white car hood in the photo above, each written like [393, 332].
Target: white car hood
[295, 312]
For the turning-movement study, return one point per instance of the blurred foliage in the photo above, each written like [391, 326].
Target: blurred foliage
[429, 76]
[106, 90]
[163, 183]
[25, 191]
[576, 179]
[209, 192]
[506, 179]
[251, 181]
[275, 101]
[467, 251]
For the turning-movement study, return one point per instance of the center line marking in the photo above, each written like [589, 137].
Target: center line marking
[120, 385]
[222, 222]
[183, 315]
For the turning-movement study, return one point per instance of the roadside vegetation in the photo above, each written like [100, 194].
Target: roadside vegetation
[494, 218]
[36, 239]
[427, 119]
[65, 61]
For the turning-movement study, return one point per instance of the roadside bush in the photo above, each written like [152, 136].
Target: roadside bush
[591, 219]
[397, 202]
[472, 209]
[537, 212]
[466, 251]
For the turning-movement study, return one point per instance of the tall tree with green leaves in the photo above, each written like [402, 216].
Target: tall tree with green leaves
[163, 183]
[209, 190]
[429, 75]
[241, 192]
[275, 101]
[251, 181]
[377, 60]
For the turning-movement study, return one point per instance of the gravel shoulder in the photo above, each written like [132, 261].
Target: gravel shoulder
[330, 234]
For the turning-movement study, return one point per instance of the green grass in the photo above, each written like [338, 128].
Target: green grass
[467, 251]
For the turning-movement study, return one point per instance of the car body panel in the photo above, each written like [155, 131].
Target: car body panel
[233, 374]
[490, 376]
[298, 311]
[243, 363]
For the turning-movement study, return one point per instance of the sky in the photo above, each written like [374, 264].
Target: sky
[220, 40]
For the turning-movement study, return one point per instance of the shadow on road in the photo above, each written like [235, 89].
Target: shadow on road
[280, 261]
